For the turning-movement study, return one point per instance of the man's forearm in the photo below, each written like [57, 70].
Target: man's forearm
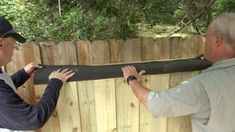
[19, 78]
[140, 91]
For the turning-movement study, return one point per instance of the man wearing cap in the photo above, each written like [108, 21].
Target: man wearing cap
[15, 114]
[208, 97]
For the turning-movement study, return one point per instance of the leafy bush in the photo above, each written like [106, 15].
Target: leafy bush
[41, 20]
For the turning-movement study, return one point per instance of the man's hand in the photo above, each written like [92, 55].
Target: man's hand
[63, 75]
[139, 90]
[131, 70]
[31, 67]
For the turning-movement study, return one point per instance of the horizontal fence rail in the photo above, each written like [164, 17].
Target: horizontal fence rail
[85, 72]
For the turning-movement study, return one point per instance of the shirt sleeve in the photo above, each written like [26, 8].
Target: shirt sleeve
[16, 114]
[187, 98]
[19, 78]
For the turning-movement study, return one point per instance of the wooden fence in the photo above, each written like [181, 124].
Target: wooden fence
[107, 105]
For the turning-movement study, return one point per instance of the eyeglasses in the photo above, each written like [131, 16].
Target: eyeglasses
[16, 45]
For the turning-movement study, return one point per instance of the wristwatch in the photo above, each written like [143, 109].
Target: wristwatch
[130, 78]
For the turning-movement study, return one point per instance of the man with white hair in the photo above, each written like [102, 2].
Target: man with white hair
[15, 113]
[209, 96]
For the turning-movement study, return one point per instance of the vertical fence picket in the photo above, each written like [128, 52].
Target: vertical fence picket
[47, 54]
[181, 49]
[127, 104]
[86, 90]
[104, 90]
[158, 49]
[68, 105]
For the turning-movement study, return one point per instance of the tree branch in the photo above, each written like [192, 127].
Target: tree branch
[194, 19]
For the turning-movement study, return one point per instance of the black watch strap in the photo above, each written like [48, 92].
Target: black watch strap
[130, 78]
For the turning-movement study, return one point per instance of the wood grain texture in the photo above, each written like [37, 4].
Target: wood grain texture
[127, 103]
[154, 50]
[107, 105]
[181, 49]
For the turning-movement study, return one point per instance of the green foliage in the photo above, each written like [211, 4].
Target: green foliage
[224, 6]
[40, 20]
[180, 11]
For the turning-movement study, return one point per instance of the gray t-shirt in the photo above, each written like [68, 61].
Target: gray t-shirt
[208, 97]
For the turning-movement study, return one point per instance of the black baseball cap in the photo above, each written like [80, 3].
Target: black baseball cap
[7, 30]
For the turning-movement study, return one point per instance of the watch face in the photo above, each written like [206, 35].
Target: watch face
[130, 78]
